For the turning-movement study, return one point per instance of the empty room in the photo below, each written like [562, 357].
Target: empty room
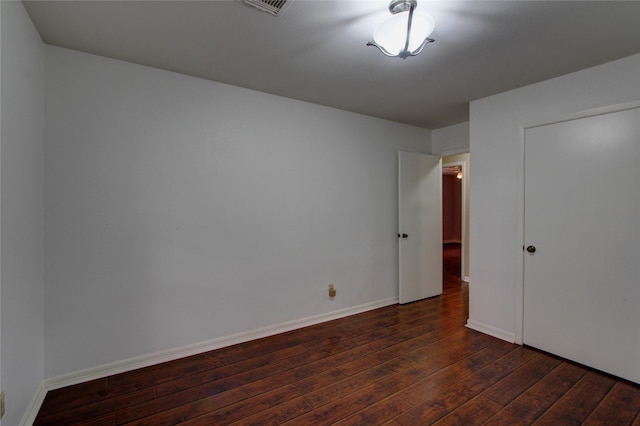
[231, 212]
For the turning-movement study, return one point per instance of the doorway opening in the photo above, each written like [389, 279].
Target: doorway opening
[454, 216]
[451, 222]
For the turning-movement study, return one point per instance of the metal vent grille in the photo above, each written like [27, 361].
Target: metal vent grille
[274, 7]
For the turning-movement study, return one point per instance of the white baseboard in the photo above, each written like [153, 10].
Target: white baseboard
[122, 366]
[465, 278]
[34, 406]
[491, 331]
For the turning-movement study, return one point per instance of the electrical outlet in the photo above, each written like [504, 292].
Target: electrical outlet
[1, 405]
[332, 291]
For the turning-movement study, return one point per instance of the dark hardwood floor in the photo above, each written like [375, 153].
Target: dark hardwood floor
[399, 365]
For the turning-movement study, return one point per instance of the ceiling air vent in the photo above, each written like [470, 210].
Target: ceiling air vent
[274, 7]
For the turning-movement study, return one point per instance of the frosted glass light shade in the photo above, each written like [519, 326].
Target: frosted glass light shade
[392, 34]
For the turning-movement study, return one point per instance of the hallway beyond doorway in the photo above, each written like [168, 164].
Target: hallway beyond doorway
[451, 255]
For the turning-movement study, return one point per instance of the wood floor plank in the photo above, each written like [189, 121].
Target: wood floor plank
[177, 413]
[337, 410]
[297, 376]
[363, 399]
[166, 371]
[379, 351]
[395, 383]
[246, 371]
[474, 412]
[377, 414]
[258, 348]
[439, 402]
[106, 420]
[509, 388]
[443, 354]
[354, 383]
[75, 396]
[332, 348]
[91, 411]
[402, 336]
[620, 407]
[242, 409]
[200, 391]
[278, 414]
[526, 408]
[455, 372]
[576, 405]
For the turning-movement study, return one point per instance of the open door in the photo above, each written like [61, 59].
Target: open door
[420, 226]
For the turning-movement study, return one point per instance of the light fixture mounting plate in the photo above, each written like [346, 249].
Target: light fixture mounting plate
[397, 6]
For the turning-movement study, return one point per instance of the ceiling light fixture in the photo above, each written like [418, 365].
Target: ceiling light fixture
[406, 33]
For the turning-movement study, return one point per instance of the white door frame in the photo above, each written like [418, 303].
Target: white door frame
[463, 208]
[519, 331]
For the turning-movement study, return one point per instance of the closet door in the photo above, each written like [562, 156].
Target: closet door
[582, 241]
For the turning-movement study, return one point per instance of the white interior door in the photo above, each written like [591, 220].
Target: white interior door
[420, 227]
[582, 216]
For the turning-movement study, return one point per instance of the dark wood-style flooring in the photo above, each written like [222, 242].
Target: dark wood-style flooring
[399, 365]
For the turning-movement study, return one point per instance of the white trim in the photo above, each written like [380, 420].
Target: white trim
[454, 151]
[465, 278]
[582, 114]
[34, 406]
[197, 348]
[491, 331]
[519, 323]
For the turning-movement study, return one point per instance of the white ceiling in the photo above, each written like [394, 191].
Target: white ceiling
[316, 51]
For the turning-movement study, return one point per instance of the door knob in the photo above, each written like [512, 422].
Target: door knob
[531, 249]
[403, 236]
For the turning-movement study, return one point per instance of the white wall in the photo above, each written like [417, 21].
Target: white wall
[180, 210]
[496, 149]
[22, 198]
[450, 140]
